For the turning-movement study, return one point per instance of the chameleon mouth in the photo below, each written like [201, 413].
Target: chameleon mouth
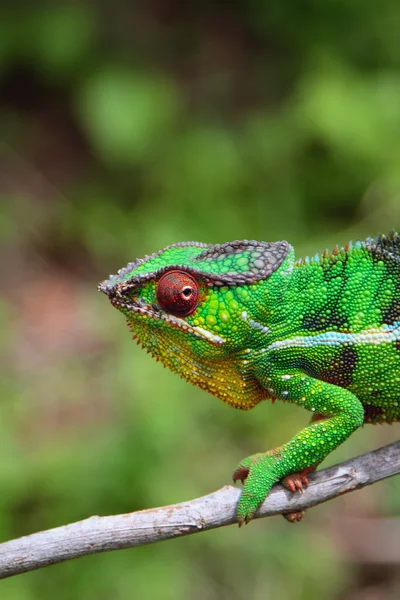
[137, 306]
[154, 312]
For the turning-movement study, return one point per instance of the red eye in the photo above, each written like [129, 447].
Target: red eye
[178, 293]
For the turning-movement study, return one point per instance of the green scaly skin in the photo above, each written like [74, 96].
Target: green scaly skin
[323, 333]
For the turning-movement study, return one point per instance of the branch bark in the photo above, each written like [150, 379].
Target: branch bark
[101, 534]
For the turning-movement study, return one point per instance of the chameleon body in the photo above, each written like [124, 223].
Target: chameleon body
[246, 322]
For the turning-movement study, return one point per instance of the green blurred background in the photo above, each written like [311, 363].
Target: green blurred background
[127, 126]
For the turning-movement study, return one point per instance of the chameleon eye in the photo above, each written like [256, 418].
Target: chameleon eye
[178, 293]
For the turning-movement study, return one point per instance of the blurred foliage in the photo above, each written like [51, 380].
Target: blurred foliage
[129, 126]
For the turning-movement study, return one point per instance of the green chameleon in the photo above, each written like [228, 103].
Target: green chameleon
[246, 322]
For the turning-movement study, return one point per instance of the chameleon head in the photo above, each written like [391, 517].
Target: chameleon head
[194, 305]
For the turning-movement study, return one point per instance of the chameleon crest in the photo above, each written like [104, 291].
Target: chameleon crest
[245, 322]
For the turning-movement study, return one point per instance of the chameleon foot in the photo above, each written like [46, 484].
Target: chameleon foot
[257, 473]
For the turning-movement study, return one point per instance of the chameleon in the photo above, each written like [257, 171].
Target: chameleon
[247, 322]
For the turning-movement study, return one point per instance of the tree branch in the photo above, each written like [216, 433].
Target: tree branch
[101, 534]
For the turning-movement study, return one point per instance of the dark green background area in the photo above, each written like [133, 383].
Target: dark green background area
[127, 126]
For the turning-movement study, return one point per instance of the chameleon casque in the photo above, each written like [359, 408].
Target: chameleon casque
[246, 322]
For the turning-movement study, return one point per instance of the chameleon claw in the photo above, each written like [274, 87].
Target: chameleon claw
[245, 520]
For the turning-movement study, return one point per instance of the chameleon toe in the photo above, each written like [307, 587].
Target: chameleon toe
[241, 474]
[295, 517]
[295, 482]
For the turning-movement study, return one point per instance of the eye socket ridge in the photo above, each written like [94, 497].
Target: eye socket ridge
[178, 293]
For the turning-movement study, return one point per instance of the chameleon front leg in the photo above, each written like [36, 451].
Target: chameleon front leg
[344, 414]
[295, 481]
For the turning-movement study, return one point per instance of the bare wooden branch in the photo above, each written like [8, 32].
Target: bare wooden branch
[101, 534]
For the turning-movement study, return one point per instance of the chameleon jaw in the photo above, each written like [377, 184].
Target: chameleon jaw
[139, 307]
